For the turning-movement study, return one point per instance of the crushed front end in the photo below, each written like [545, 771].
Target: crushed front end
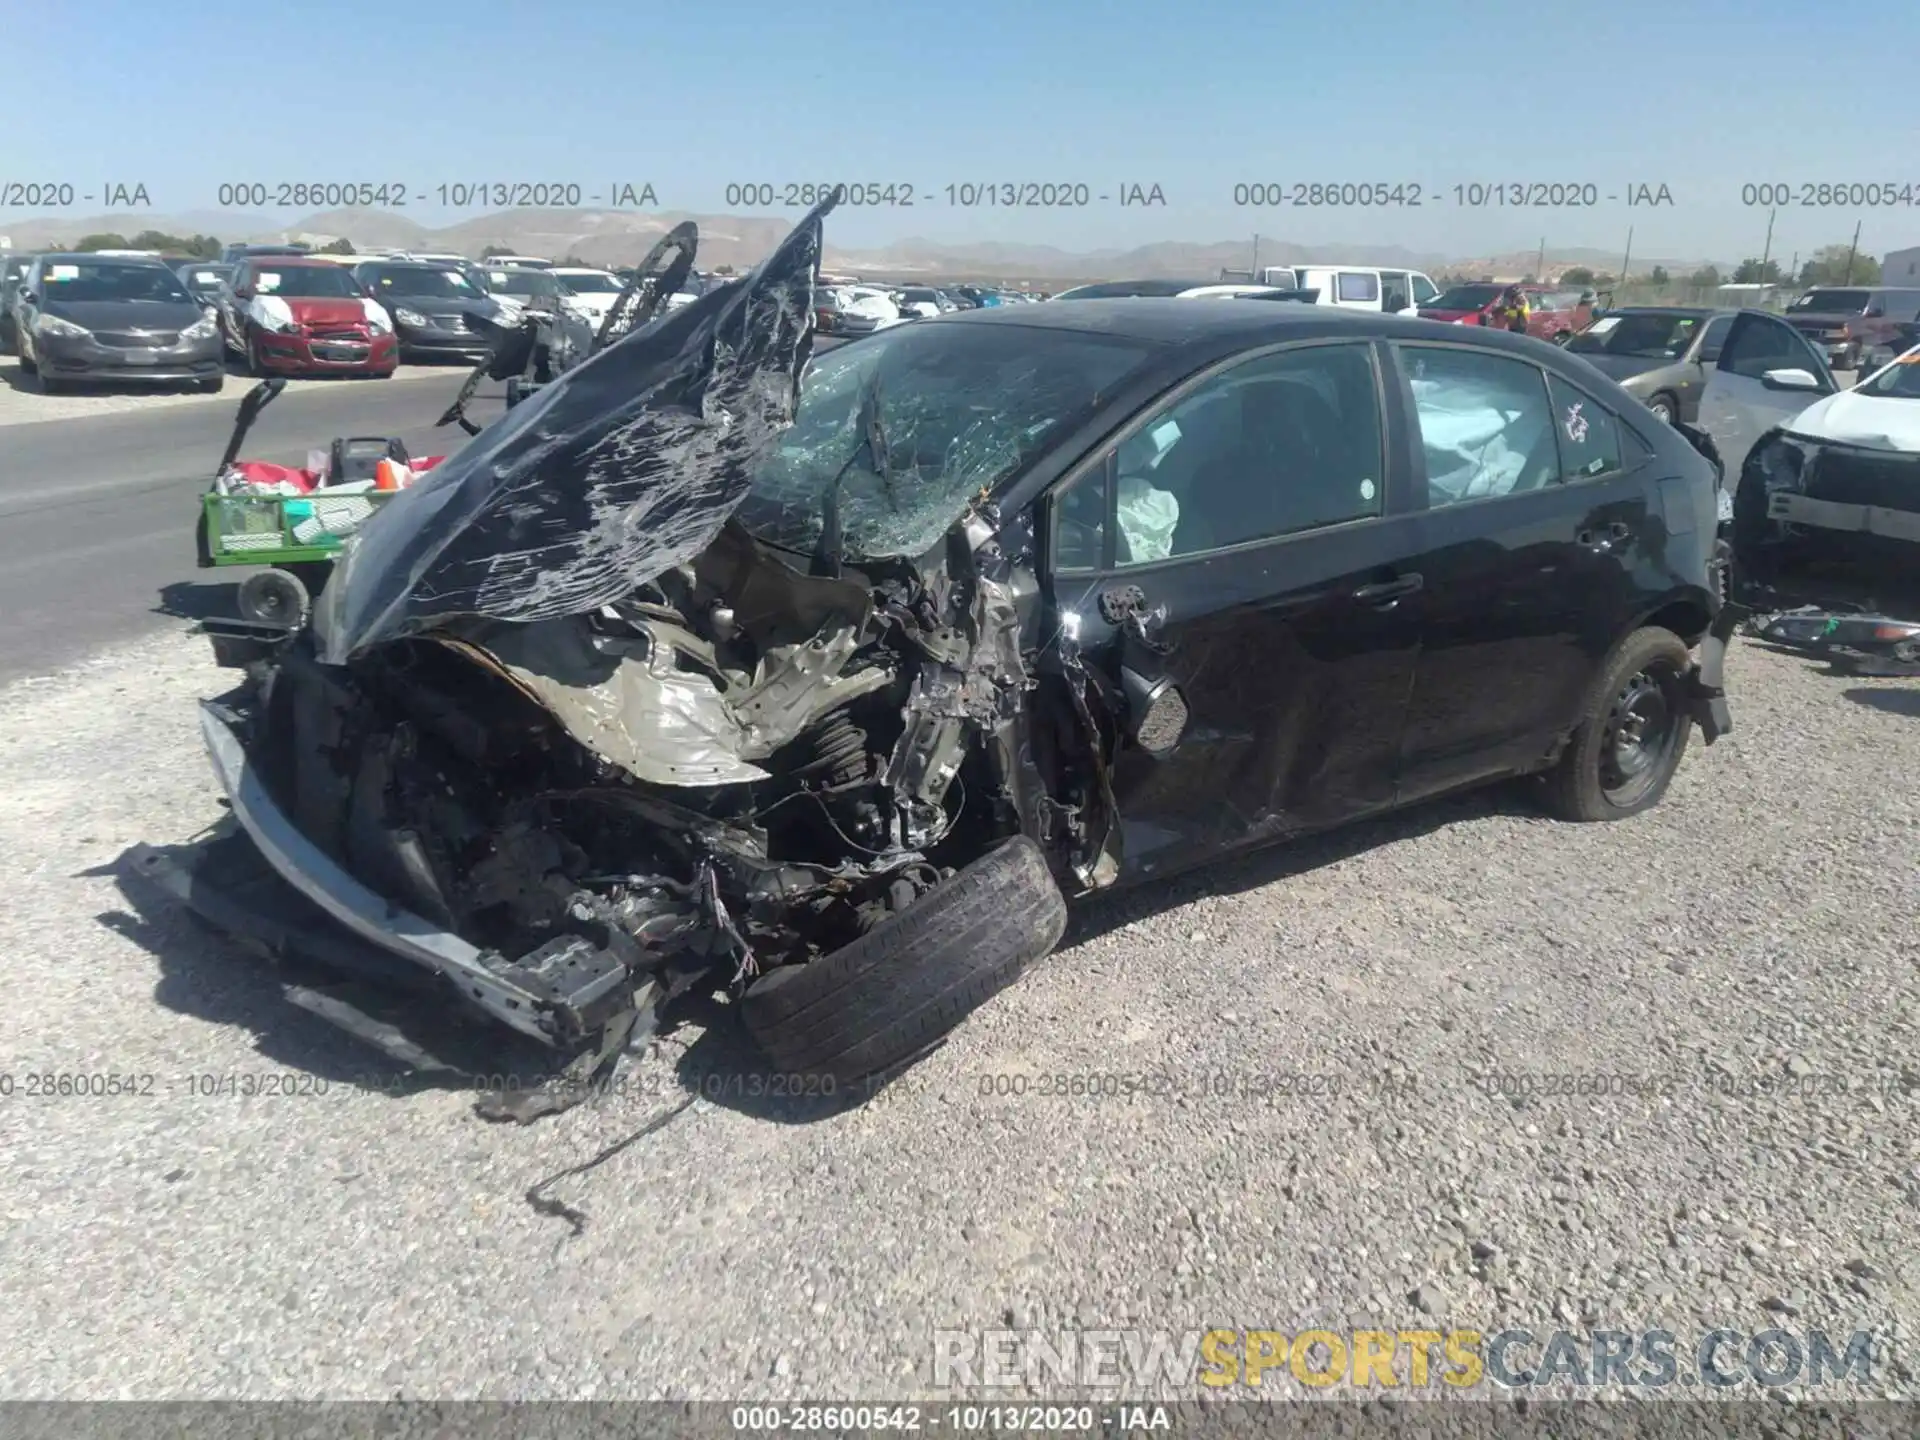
[566, 735]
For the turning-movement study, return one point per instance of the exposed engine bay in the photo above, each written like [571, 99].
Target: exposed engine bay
[737, 766]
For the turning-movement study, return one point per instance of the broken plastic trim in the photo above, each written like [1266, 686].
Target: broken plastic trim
[623, 467]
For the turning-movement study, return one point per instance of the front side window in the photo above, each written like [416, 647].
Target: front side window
[1270, 447]
[1485, 422]
[1758, 345]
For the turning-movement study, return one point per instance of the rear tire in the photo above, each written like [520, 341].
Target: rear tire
[27, 365]
[895, 991]
[213, 385]
[1633, 732]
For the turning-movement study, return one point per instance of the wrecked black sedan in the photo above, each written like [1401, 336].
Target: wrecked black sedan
[825, 682]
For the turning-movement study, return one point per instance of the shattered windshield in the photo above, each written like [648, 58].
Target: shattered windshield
[961, 407]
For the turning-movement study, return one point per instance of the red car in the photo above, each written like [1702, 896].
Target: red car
[1551, 314]
[296, 315]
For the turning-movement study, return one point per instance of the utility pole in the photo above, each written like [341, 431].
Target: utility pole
[1253, 275]
[1628, 257]
[1766, 252]
[1540, 262]
[1852, 250]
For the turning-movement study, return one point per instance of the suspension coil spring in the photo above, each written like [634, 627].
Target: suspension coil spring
[839, 752]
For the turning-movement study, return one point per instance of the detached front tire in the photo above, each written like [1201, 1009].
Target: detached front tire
[899, 988]
[1632, 733]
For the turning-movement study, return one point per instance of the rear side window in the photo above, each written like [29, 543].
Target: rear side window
[1485, 421]
[1352, 285]
[1588, 434]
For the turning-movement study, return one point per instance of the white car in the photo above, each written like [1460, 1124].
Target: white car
[517, 262]
[1803, 455]
[590, 293]
[864, 310]
[514, 288]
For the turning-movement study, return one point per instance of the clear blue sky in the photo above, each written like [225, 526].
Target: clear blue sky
[1701, 95]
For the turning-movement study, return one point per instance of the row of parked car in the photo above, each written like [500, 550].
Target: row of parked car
[854, 309]
[279, 309]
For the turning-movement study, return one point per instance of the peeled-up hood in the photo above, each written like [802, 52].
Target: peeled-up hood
[622, 468]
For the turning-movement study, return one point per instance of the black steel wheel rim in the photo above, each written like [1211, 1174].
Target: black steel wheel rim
[1643, 727]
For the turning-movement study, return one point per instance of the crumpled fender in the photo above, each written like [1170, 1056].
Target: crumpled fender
[622, 468]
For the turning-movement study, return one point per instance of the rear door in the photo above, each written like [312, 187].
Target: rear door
[1739, 404]
[1533, 521]
[1396, 291]
[1256, 519]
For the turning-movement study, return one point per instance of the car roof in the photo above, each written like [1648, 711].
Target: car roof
[1170, 320]
[71, 257]
[281, 261]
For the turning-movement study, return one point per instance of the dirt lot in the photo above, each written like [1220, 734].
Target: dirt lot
[195, 1239]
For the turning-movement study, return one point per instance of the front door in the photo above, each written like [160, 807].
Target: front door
[1739, 403]
[1252, 519]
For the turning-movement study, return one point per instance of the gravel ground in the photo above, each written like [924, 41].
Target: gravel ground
[21, 403]
[353, 1244]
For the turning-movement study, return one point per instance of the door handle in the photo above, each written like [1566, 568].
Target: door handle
[1387, 592]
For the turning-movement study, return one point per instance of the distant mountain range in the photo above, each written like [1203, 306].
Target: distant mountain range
[621, 237]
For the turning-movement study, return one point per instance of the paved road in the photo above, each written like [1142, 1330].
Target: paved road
[96, 515]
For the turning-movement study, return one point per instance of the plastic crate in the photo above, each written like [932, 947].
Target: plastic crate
[270, 529]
